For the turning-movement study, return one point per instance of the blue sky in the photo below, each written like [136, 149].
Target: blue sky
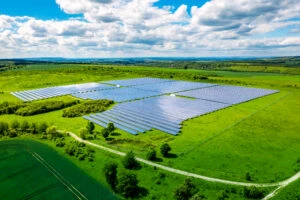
[128, 28]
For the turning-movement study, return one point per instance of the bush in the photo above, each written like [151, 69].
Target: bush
[15, 125]
[90, 127]
[87, 108]
[151, 155]
[25, 126]
[128, 185]
[186, 191]
[42, 127]
[43, 107]
[165, 149]
[111, 127]
[110, 172]
[129, 161]
[33, 128]
[3, 128]
[253, 192]
[105, 133]
[82, 133]
[52, 132]
[248, 176]
[13, 133]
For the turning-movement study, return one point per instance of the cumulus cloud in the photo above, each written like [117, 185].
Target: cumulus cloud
[136, 27]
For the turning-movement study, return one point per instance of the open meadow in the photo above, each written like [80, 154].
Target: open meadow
[256, 141]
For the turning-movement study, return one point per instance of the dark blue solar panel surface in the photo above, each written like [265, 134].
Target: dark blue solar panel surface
[228, 94]
[173, 86]
[164, 113]
[43, 93]
[137, 81]
[118, 95]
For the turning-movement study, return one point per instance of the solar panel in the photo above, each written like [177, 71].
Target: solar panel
[137, 81]
[173, 86]
[228, 94]
[43, 93]
[117, 95]
[164, 113]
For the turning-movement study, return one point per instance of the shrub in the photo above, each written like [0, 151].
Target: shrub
[90, 127]
[128, 185]
[25, 126]
[151, 155]
[165, 149]
[42, 127]
[87, 108]
[82, 133]
[129, 161]
[253, 192]
[111, 127]
[105, 133]
[15, 125]
[43, 107]
[13, 133]
[3, 128]
[33, 128]
[110, 172]
[186, 191]
[52, 132]
[248, 176]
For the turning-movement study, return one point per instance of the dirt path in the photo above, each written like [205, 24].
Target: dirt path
[283, 184]
[177, 171]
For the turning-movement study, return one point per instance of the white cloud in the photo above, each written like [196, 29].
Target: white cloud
[136, 28]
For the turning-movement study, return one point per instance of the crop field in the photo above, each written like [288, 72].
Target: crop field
[30, 170]
[258, 137]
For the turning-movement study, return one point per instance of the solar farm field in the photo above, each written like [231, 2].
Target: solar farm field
[30, 170]
[241, 135]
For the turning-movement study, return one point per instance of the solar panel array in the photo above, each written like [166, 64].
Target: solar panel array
[173, 86]
[164, 113]
[137, 81]
[228, 94]
[117, 95]
[44, 93]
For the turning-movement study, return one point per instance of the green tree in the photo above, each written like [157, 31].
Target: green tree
[82, 133]
[3, 128]
[129, 161]
[111, 127]
[25, 126]
[105, 133]
[90, 127]
[253, 192]
[110, 172]
[13, 133]
[248, 176]
[42, 127]
[151, 154]
[186, 191]
[128, 185]
[15, 125]
[52, 132]
[33, 128]
[165, 149]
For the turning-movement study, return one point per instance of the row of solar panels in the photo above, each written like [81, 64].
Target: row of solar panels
[44, 93]
[164, 113]
[118, 95]
[227, 94]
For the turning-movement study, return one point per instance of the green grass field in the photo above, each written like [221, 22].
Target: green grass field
[260, 136]
[30, 170]
[291, 192]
